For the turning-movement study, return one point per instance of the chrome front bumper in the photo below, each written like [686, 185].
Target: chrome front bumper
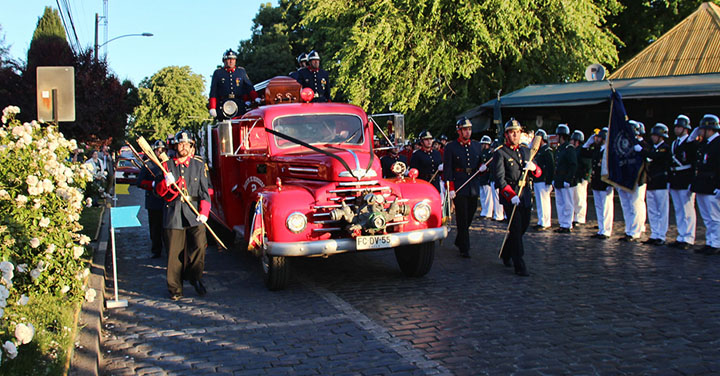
[335, 246]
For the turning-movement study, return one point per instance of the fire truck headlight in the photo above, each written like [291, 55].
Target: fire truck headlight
[296, 222]
[421, 211]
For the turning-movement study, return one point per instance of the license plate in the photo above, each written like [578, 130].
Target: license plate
[373, 242]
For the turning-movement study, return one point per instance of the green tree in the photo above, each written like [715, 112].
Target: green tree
[438, 57]
[267, 53]
[170, 100]
[49, 46]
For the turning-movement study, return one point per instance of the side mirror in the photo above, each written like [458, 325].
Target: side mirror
[225, 139]
[399, 128]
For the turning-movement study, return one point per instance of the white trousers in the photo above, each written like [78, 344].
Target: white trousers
[486, 201]
[498, 212]
[710, 212]
[684, 204]
[542, 200]
[633, 207]
[580, 201]
[564, 206]
[658, 209]
[604, 210]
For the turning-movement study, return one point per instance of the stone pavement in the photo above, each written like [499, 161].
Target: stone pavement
[589, 307]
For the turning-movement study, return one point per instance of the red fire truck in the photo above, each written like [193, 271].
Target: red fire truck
[299, 179]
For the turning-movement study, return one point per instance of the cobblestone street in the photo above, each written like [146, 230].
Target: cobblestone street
[589, 307]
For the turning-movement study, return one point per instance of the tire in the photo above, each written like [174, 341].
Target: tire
[275, 271]
[415, 260]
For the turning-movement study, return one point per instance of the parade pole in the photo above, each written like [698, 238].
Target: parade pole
[477, 172]
[148, 151]
[534, 149]
[117, 303]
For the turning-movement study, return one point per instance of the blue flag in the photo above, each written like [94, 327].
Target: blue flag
[125, 216]
[623, 162]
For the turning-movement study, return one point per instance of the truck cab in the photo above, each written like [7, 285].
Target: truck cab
[296, 179]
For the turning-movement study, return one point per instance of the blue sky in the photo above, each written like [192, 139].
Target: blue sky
[193, 33]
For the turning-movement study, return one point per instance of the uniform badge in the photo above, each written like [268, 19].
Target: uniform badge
[323, 82]
[237, 82]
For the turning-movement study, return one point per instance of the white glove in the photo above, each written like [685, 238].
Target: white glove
[482, 168]
[247, 103]
[452, 195]
[201, 218]
[515, 200]
[258, 100]
[440, 168]
[589, 141]
[213, 112]
[169, 179]
[566, 185]
[638, 148]
[530, 166]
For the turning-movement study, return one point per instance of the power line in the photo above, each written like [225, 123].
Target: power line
[72, 24]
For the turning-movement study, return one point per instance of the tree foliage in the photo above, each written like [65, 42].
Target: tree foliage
[170, 100]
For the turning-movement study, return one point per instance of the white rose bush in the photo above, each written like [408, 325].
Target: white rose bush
[41, 249]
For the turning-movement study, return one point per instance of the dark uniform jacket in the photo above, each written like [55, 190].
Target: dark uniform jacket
[707, 178]
[596, 182]
[232, 85]
[387, 161]
[565, 166]
[191, 177]
[484, 178]
[658, 164]
[461, 161]
[682, 159]
[584, 168]
[318, 80]
[508, 166]
[427, 163]
[295, 74]
[545, 159]
[145, 181]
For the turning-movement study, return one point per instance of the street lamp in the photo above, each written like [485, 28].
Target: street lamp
[118, 37]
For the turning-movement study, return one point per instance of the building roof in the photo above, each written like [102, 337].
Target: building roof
[691, 47]
[594, 92]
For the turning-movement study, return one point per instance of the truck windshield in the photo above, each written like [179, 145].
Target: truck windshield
[319, 129]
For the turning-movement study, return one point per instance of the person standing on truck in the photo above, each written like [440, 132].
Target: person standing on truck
[153, 203]
[509, 162]
[184, 231]
[315, 78]
[462, 160]
[427, 160]
[230, 83]
[302, 60]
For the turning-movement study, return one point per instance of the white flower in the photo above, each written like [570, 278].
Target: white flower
[90, 295]
[10, 349]
[32, 180]
[84, 240]
[4, 292]
[3, 303]
[4, 195]
[21, 199]
[41, 266]
[2, 229]
[34, 191]
[77, 252]
[21, 268]
[34, 242]
[85, 272]
[6, 267]
[24, 299]
[88, 202]
[45, 222]
[35, 273]
[65, 289]
[2, 313]
[24, 333]
[47, 185]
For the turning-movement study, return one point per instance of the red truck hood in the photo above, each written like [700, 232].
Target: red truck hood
[316, 166]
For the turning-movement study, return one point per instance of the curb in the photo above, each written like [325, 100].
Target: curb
[87, 356]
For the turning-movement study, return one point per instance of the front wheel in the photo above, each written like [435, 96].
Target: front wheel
[415, 260]
[275, 270]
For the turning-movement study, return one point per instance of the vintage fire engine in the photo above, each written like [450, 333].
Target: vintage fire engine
[298, 179]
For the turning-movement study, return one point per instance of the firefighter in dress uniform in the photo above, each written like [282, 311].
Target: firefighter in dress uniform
[582, 178]
[603, 193]
[462, 160]
[153, 203]
[543, 184]
[683, 152]
[302, 61]
[230, 84]
[315, 78]
[509, 161]
[486, 196]
[391, 158]
[657, 156]
[184, 231]
[633, 203]
[706, 183]
[565, 166]
[427, 160]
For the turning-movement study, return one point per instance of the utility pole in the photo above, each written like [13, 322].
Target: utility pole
[96, 37]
